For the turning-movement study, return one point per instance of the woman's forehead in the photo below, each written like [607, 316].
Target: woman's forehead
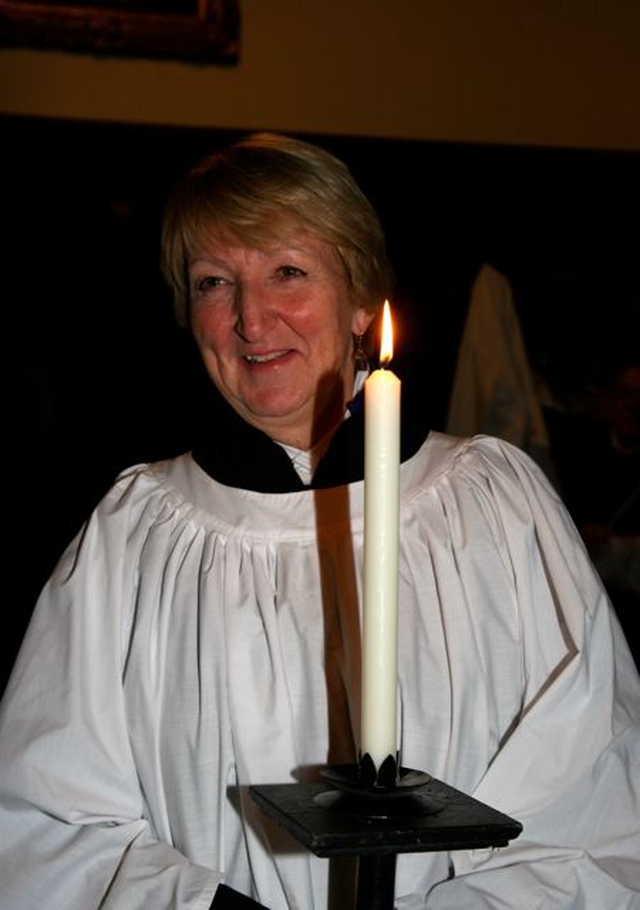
[289, 235]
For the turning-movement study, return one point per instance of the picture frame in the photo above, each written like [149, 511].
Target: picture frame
[197, 31]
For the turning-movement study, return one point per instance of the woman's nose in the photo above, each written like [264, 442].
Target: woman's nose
[254, 313]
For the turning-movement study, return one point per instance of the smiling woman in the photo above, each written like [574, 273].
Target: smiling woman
[202, 633]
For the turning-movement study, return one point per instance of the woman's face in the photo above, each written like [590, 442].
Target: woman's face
[274, 328]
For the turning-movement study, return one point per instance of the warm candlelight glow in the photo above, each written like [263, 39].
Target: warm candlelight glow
[381, 532]
[386, 344]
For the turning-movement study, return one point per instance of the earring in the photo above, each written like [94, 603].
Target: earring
[360, 359]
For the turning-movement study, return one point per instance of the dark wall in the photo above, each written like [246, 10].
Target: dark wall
[98, 376]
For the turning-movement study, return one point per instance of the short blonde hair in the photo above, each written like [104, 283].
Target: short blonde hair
[265, 189]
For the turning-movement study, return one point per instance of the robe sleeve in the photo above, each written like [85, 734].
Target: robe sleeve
[72, 831]
[568, 769]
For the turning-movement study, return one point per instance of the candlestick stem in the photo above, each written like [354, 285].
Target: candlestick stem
[376, 882]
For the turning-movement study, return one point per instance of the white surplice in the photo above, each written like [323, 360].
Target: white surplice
[185, 647]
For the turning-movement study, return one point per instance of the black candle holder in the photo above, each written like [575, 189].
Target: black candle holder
[355, 810]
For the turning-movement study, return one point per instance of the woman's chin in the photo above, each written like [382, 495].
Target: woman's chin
[275, 413]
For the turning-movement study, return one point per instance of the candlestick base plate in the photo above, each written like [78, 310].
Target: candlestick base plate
[423, 815]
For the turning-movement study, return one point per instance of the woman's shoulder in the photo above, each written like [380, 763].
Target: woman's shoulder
[481, 449]
[474, 461]
[144, 493]
[442, 453]
[145, 479]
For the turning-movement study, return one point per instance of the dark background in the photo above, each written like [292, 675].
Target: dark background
[98, 376]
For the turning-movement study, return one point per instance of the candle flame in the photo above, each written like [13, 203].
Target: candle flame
[386, 345]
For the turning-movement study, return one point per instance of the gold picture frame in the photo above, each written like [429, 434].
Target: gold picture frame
[198, 31]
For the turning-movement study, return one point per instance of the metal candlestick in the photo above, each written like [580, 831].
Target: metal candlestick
[355, 811]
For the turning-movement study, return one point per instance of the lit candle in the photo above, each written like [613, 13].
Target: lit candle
[381, 513]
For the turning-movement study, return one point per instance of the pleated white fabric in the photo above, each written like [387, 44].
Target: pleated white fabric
[196, 639]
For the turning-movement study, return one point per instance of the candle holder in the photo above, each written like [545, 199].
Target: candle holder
[355, 811]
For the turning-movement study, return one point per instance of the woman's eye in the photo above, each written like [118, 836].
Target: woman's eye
[290, 271]
[209, 281]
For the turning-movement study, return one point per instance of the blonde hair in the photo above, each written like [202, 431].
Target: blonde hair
[265, 189]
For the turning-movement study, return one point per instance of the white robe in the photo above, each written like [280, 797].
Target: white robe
[184, 649]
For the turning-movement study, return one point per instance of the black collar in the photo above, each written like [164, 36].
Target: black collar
[238, 455]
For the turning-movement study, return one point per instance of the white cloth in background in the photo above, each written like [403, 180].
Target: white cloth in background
[186, 645]
[493, 390]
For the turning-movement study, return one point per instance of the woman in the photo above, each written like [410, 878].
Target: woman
[202, 632]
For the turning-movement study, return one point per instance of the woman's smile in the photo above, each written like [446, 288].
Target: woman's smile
[268, 358]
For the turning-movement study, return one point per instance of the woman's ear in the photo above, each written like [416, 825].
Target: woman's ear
[361, 320]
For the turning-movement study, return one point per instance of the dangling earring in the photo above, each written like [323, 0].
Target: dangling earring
[360, 359]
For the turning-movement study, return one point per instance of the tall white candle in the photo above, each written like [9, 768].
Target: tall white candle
[380, 620]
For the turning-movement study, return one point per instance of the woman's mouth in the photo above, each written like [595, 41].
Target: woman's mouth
[265, 358]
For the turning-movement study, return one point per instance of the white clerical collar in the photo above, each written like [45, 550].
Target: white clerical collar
[305, 461]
